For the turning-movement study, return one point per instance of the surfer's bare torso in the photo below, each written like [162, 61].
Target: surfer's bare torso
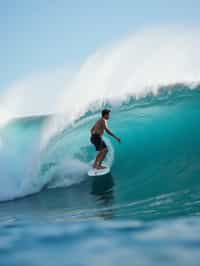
[99, 127]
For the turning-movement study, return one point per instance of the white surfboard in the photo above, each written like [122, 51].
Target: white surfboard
[98, 172]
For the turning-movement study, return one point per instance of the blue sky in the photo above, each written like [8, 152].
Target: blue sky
[40, 35]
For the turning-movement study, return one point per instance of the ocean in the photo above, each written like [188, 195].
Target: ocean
[145, 212]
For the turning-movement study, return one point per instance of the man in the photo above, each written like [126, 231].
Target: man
[96, 138]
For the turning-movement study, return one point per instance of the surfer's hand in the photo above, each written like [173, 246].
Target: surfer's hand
[118, 139]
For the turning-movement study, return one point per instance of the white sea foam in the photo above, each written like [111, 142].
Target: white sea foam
[71, 171]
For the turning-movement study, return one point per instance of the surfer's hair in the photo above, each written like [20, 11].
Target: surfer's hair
[105, 112]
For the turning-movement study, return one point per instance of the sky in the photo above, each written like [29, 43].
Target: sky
[44, 35]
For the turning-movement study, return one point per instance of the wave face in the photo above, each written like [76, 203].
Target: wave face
[155, 169]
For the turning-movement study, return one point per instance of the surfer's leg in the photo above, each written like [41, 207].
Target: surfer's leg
[102, 148]
[102, 155]
[99, 159]
[96, 162]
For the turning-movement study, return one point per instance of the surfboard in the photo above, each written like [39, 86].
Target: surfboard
[98, 172]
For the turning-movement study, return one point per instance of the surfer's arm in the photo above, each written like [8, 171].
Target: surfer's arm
[111, 134]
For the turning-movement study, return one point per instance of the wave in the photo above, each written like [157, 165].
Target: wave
[159, 154]
[150, 80]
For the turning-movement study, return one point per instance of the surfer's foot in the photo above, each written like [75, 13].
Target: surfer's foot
[95, 165]
[101, 167]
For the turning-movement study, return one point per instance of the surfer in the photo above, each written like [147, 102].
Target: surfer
[96, 138]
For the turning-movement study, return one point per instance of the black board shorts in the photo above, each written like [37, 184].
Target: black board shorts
[97, 141]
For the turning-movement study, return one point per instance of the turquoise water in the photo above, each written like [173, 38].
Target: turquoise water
[146, 212]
